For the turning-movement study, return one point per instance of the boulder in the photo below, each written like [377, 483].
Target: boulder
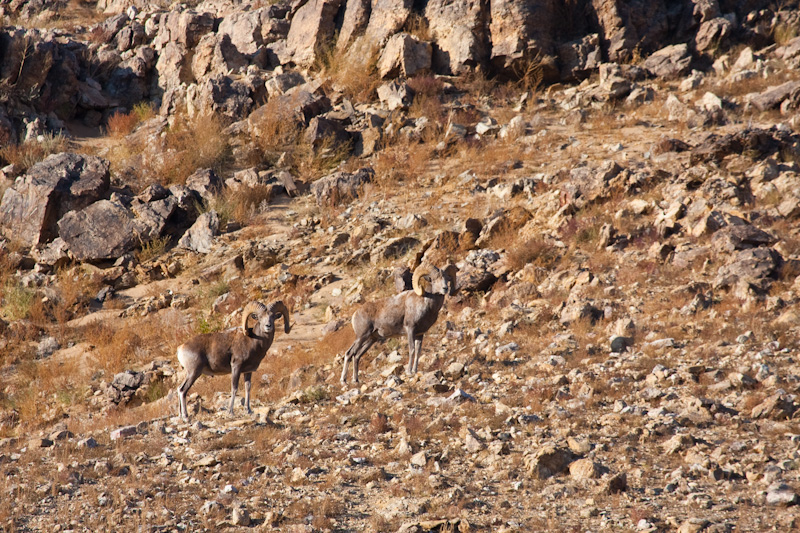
[580, 57]
[549, 461]
[130, 37]
[205, 182]
[354, 23]
[298, 104]
[200, 237]
[130, 80]
[740, 237]
[713, 34]
[386, 19]
[395, 95]
[104, 230]
[171, 66]
[404, 56]
[326, 133]
[773, 96]
[313, 25]
[61, 183]
[216, 54]
[222, 95]
[669, 62]
[341, 187]
[248, 30]
[520, 32]
[755, 267]
[184, 27]
[458, 33]
[152, 217]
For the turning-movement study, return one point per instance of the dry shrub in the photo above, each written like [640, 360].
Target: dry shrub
[192, 144]
[379, 424]
[121, 124]
[75, 290]
[353, 71]
[138, 342]
[426, 86]
[277, 135]
[275, 132]
[26, 154]
[405, 161]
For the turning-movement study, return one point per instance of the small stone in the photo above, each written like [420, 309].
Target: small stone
[454, 371]
[88, 443]
[240, 516]
[472, 442]
[781, 494]
[615, 483]
[584, 469]
[419, 459]
[693, 525]
[121, 433]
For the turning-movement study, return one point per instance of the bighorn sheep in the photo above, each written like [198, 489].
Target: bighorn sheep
[412, 312]
[234, 351]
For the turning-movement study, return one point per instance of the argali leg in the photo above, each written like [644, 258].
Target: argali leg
[191, 377]
[248, 376]
[351, 351]
[235, 373]
[410, 368]
[417, 351]
[366, 346]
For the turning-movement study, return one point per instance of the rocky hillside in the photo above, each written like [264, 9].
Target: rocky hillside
[617, 182]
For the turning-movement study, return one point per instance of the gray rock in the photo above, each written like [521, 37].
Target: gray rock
[47, 347]
[312, 26]
[669, 62]
[404, 56]
[104, 230]
[341, 187]
[200, 237]
[240, 516]
[580, 57]
[548, 461]
[395, 95]
[713, 34]
[128, 380]
[781, 494]
[740, 237]
[63, 182]
[583, 469]
[458, 28]
[355, 21]
[323, 132]
[772, 97]
[123, 432]
[385, 19]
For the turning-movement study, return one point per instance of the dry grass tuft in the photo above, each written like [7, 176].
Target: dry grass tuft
[191, 144]
[353, 71]
[26, 154]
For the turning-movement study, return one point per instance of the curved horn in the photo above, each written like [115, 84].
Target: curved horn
[251, 308]
[279, 308]
[418, 273]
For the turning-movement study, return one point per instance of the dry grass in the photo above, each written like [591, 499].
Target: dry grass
[26, 154]
[191, 144]
[533, 251]
[122, 124]
[138, 342]
[352, 71]
[278, 136]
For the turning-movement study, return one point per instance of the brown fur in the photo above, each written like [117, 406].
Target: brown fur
[407, 312]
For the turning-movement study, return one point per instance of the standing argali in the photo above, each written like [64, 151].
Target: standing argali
[234, 351]
[412, 312]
